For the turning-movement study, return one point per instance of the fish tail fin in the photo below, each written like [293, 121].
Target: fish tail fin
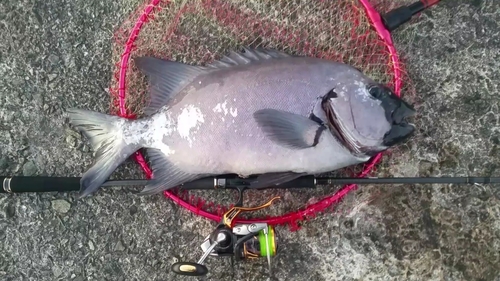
[105, 135]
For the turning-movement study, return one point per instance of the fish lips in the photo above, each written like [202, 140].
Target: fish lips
[396, 111]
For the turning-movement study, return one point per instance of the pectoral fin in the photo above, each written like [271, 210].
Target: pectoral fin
[289, 129]
[271, 179]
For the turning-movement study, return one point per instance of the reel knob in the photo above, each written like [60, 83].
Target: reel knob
[196, 268]
[189, 269]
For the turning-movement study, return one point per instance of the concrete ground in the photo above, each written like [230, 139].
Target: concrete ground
[56, 54]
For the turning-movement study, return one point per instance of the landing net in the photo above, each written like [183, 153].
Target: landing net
[200, 31]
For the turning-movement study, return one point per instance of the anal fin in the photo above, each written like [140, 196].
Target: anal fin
[272, 179]
[165, 174]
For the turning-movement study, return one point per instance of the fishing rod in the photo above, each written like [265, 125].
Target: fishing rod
[403, 14]
[242, 241]
[23, 184]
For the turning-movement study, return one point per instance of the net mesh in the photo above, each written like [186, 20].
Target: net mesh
[199, 31]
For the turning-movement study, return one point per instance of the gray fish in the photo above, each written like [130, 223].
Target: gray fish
[255, 112]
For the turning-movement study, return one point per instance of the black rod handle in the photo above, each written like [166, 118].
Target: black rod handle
[19, 184]
[203, 183]
[397, 17]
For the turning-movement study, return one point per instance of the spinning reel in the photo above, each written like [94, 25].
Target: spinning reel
[241, 241]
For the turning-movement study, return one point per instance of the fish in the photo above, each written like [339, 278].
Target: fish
[254, 111]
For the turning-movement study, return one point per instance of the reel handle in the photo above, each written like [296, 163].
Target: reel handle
[196, 268]
[189, 268]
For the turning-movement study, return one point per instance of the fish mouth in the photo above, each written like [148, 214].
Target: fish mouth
[397, 111]
[401, 129]
[341, 133]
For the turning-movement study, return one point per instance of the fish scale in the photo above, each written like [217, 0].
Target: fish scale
[253, 112]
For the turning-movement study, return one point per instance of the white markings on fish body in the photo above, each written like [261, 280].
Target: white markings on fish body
[217, 108]
[189, 118]
[234, 112]
[162, 126]
[149, 132]
[136, 132]
[342, 93]
[362, 91]
[224, 107]
[165, 149]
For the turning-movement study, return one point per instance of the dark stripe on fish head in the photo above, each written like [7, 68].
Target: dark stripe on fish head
[396, 112]
[333, 121]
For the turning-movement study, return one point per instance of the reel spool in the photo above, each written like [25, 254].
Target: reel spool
[240, 241]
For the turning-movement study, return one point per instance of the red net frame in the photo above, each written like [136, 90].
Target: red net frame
[146, 14]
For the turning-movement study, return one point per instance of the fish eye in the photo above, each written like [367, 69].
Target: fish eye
[376, 92]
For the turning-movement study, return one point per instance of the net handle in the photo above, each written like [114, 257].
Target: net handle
[290, 217]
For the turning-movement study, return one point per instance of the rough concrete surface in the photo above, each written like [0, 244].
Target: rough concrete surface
[55, 55]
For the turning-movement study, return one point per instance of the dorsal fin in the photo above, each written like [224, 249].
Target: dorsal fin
[166, 78]
[248, 55]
